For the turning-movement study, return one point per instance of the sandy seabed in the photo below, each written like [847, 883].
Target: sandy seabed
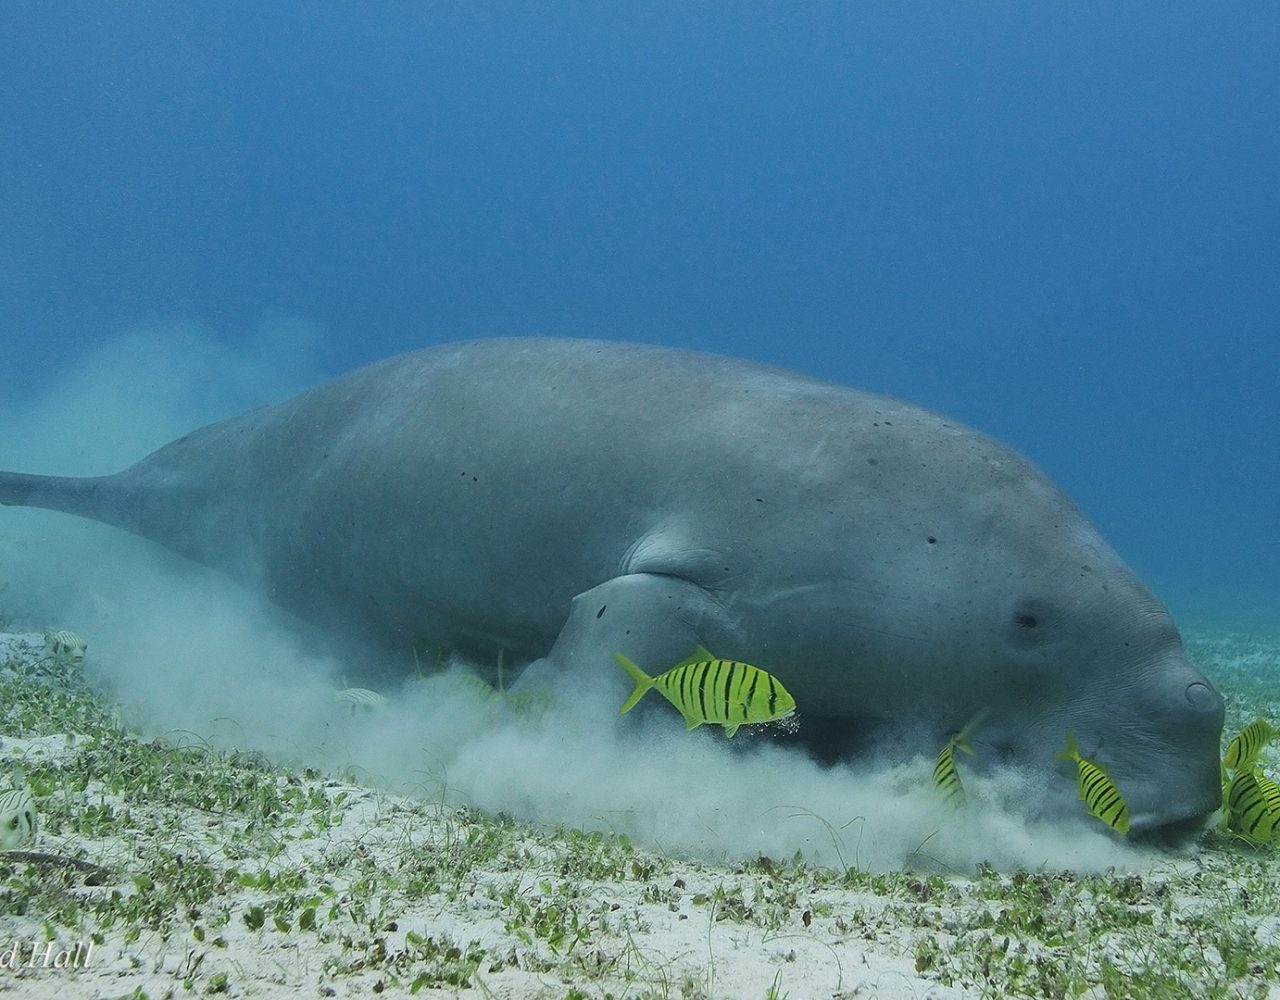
[165, 867]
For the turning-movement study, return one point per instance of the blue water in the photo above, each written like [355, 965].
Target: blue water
[1059, 223]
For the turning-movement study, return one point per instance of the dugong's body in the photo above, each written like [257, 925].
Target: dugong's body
[570, 499]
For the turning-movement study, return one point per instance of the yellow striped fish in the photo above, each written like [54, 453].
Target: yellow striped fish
[64, 645]
[530, 705]
[17, 818]
[1253, 806]
[706, 689]
[1245, 748]
[946, 778]
[1097, 790]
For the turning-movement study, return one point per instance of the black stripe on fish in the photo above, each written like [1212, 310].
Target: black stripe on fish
[1093, 780]
[746, 705]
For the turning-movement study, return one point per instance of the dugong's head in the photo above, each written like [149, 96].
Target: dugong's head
[972, 591]
[1056, 634]
[1100, 657]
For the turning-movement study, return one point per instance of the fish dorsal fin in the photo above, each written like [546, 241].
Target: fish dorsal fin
[699, 655]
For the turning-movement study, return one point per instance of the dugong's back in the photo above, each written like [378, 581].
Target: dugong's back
[464, 494]
[480, 484]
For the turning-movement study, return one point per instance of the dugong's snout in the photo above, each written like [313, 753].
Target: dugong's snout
[1174, 819]
[1176, 779]
[1158, 739]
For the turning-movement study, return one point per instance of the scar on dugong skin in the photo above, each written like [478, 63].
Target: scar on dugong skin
[563, 500]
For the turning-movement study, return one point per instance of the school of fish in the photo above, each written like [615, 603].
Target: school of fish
[1251, 799]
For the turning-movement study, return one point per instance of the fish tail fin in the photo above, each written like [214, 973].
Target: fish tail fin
[643, 682]
[1072, 752]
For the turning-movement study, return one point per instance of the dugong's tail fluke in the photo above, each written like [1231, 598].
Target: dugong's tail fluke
[152, 503]
[88, 497]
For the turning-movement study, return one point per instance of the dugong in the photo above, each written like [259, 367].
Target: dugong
[563, 500]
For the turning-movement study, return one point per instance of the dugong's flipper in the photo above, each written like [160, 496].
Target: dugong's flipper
[654, 619]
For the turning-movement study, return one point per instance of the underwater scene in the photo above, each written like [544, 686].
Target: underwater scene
[639, 501]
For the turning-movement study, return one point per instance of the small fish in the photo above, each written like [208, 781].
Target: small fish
[527, 705]
[531, 705]
[1245, 748]
[17, 818]
[946, 778]
[465, 680]
[706, 689]
[1253, 806]
[64, 645]
[1097, 790]
[359, 698]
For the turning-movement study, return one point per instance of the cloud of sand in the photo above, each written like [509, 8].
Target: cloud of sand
[190, 654]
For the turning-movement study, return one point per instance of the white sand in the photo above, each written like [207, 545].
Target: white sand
[681, 945]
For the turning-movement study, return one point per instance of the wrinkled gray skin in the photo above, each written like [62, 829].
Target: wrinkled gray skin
[556, 499]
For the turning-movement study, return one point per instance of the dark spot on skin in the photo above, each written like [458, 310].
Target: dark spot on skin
[931, 540]
[1030, 622]
[873, 461]
[600, 613]
[758, 500]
